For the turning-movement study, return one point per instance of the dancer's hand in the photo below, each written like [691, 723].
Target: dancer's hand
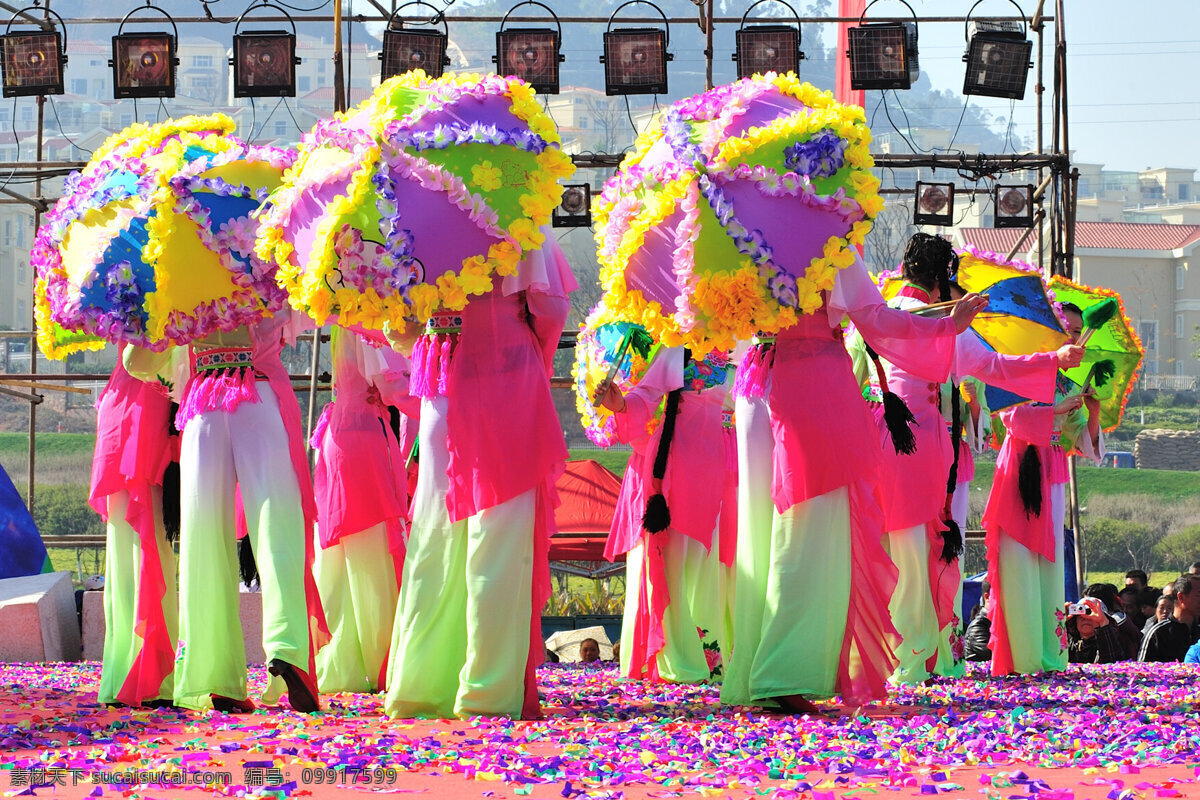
[612, 399]
[1068, 404]
[1091, 402]
[965, 310]
[1070, 355]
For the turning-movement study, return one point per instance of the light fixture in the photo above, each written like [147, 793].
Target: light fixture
[935, 204]
[531, 54]
[575, 208]
[143, 64]
[635, 59]
[883, 55]
[768, 48]
[264, 62]
[408, 50]
[997, 58]
[1014, 206]
[32, 61]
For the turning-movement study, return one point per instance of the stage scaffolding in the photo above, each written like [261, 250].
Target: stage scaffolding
[1052, 237]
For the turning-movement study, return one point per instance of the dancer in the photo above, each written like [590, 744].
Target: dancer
[916, 500]
[1023, 523]
[362, 501]
[133, 450]
[467, 634]
[241, 430]
[678, 580]
[823, 536]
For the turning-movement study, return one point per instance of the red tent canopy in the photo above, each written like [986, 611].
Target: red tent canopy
[588, 494]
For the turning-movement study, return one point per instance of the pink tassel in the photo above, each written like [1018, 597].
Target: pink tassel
[223, 391]
[443, 367]
[753, 372]
[419, 376]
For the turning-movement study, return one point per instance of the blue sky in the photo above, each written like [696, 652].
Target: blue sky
[1133, 88]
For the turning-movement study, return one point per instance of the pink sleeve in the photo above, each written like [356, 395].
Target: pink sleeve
[1033, 424]
[391, 377]
[641, 403]
[1029, 376]
[890, 332]
[546, 278]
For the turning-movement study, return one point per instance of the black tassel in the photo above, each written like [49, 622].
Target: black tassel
[896, 413]
[898, 418]
[246, 564]
[657, 517]
[172, 510]
[1029, 481]
[952, 542]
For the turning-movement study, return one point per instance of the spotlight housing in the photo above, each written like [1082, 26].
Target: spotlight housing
[883, 55]
[264, 62]
[997, 57]
[143, 64]
[405, 50]
[32, 62]
[934, 205]
[1014, 206]
[575, 208]
[635, 59]
[768, 48]
[531, 54]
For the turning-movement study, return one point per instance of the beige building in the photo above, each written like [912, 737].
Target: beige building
[1155, 267]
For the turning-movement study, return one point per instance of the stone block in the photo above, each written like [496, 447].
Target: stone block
[37, 615]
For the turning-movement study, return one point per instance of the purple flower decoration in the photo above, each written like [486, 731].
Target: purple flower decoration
[819, 157]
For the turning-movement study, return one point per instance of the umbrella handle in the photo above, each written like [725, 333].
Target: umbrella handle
[1083, 337]
[622, 351]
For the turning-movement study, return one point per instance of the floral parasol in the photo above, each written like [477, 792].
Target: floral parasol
[411, 202]
[152, 242]
[736, 210]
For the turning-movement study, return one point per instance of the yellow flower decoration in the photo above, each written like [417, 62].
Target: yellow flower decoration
[486, 176]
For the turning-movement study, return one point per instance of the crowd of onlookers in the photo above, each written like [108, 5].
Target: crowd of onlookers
[1135, 623]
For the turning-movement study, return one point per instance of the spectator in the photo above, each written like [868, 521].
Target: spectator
[94, 583]
[589, 651]
[1131, 605]
[1092, 634]
[1193, 654]
[1170, 639]
[1137, 579]
[1163, 609]
[1169, 591]
[1130, 636]
[1148, 601]
[1194, 569]
[979, 631]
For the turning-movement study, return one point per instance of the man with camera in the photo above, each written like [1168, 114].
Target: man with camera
[1092, 633]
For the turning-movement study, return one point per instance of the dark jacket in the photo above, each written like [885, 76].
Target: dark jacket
[976, 639]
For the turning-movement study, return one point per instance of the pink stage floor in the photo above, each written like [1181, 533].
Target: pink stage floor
[1118, 732]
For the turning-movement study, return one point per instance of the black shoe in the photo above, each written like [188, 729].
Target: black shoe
[162, 703]
[300, 695]
[797, 704]
[227, 705]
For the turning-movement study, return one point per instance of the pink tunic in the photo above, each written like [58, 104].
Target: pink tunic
[133, 448]
[208, 392]
[825, 438]
[503, 432]
[697, 485]
[360, 478]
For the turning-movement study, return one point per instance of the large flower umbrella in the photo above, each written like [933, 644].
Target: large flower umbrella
[153, 242]
[412, 201]
[735, 211]
[1113, 343]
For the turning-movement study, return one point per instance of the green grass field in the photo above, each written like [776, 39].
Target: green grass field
[1166, 485]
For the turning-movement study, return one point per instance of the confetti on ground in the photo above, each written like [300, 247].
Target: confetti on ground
[1120, 732]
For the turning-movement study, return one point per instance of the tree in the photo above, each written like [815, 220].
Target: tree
[63, 510]
[1119, 544]
[1177, 551]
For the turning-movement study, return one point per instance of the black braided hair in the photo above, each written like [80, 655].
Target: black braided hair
[171, 502]
[927, 262]
[658, 515]
[1029, 481]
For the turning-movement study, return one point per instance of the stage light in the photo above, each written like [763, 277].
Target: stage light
[935, 204]
[883, 55]
[997, 58]
[768, 48]
[143, 64]
[635, 59]
[531, 54]
[1014, 206]
[407, 50]
[32, 61]
[264, 62]
[575, 208]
